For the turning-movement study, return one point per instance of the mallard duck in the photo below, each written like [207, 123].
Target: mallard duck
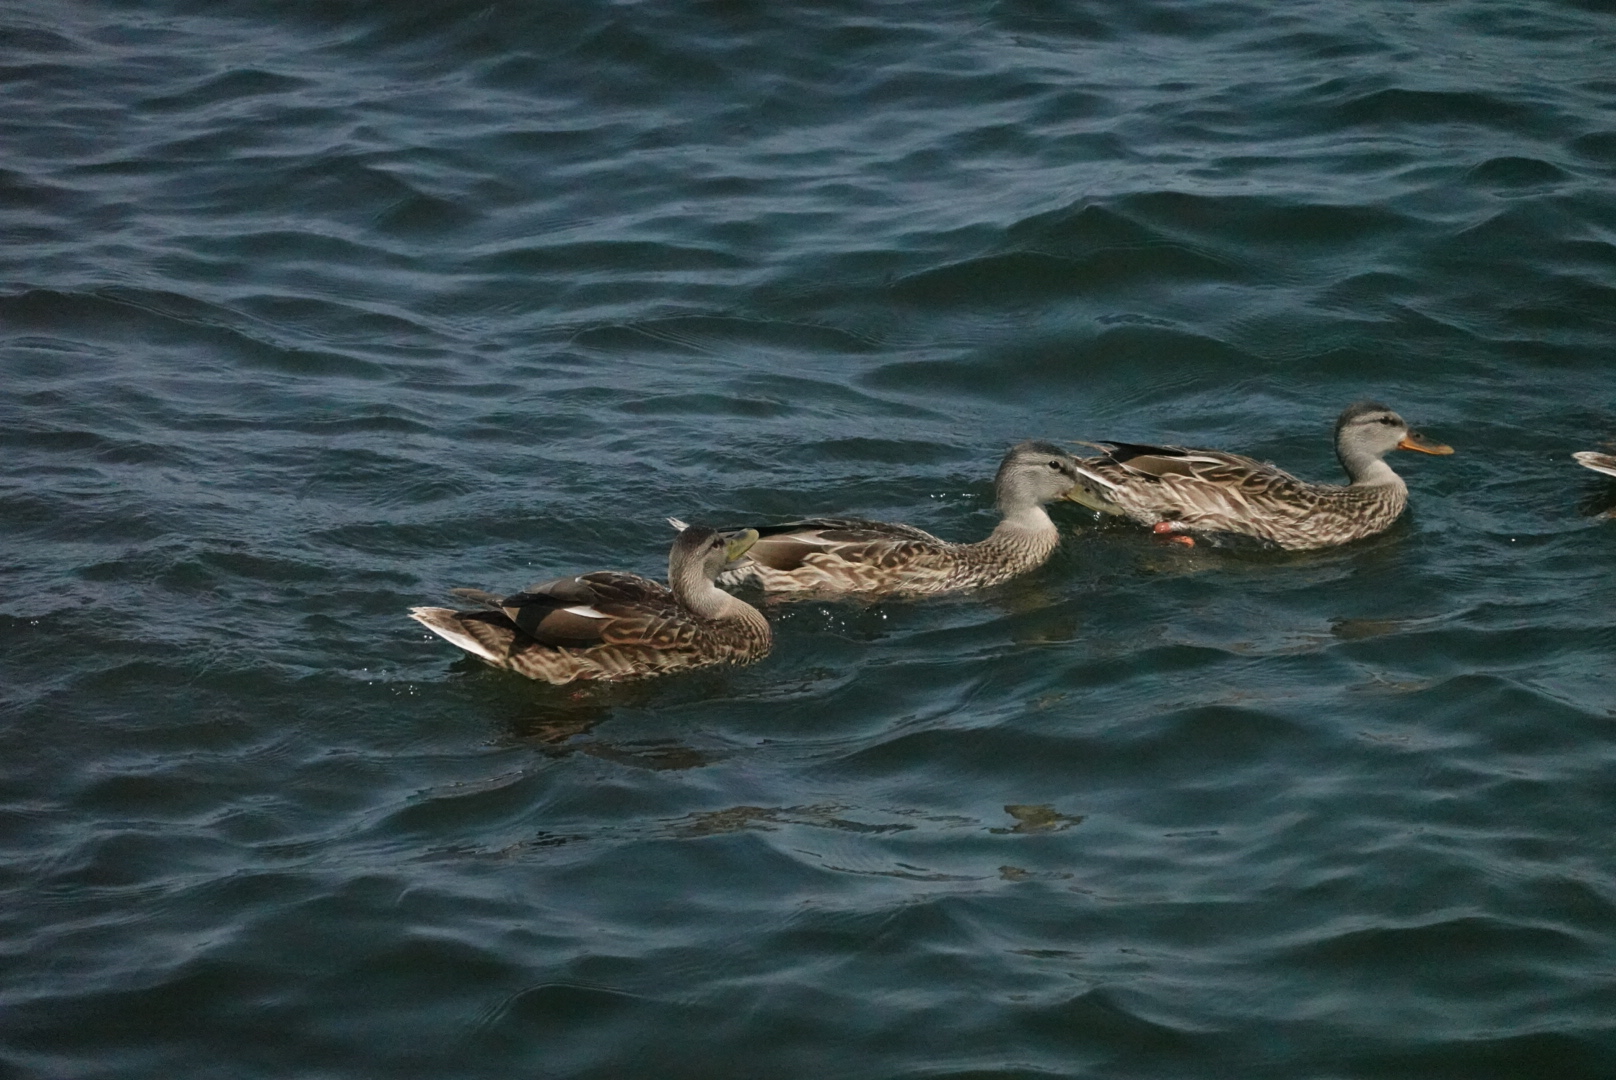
[610, 625]
[829, 556]
[1605, 463]
[1176, 490]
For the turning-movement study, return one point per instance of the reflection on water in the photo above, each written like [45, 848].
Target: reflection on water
[1031, 819]
[1600, 502]
[649, 755]
[736, 818]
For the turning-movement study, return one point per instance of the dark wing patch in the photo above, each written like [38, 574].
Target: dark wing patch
[782, 552]
[561, 627]
[566, 590]
[1121, 452]
[611, 587]
[543, 611]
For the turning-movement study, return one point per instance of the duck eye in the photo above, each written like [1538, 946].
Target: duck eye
[1055, 465]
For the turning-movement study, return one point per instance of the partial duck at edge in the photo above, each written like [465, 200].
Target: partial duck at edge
[1601, 463]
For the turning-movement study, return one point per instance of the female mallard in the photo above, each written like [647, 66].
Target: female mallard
[610, 625]
[828, 556]
[1177, 490]
[1605, 463]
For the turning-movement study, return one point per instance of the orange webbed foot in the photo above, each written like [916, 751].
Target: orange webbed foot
[1170, 530]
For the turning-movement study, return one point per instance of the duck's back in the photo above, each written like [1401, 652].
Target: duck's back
[840, 556]
[837, 555]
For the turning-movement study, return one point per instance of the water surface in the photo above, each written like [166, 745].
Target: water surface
[311, 311]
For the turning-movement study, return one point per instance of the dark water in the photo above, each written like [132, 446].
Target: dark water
[309, 311]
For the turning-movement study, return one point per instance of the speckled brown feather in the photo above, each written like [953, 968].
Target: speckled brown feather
[876, 558]
[605, 625]
[1210, 491]
[837, 556]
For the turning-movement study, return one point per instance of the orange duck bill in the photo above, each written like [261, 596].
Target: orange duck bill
[1415, 441]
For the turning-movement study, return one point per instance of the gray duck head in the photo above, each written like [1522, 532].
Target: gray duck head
[700, 554]
[1032, 473]
[1367, 431]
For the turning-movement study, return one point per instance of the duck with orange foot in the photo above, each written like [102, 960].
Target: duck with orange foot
[1178, 491]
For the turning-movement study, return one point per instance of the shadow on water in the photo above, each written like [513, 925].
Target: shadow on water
[1599, 500]
[558, 720]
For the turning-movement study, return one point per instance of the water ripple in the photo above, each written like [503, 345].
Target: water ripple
[309, 312]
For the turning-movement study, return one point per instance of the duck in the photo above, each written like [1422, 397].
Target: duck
[610, 626]
[1592, 459]
[829, 557]
[1176, 490]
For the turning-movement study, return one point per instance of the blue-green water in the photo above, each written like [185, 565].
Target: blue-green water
[310, 311]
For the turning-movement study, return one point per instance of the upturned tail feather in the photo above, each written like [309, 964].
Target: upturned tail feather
[445, 622]
[1600, 463]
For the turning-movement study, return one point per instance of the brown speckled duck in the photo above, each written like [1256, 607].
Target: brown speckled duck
[609, 625]
[1175, 490]
[835, 556]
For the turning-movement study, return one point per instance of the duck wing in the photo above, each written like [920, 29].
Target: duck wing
[606, 607]
[785, 546]
[1207, 490]
[1124, 461]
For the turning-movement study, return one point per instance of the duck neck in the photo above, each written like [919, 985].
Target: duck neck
[1026, 531]
[1366, 470]
[699, 595]
[1024, 517]
[706, 600]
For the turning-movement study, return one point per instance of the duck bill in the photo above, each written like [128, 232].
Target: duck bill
[1416, 441]
[1083, 495]
[739, 544]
